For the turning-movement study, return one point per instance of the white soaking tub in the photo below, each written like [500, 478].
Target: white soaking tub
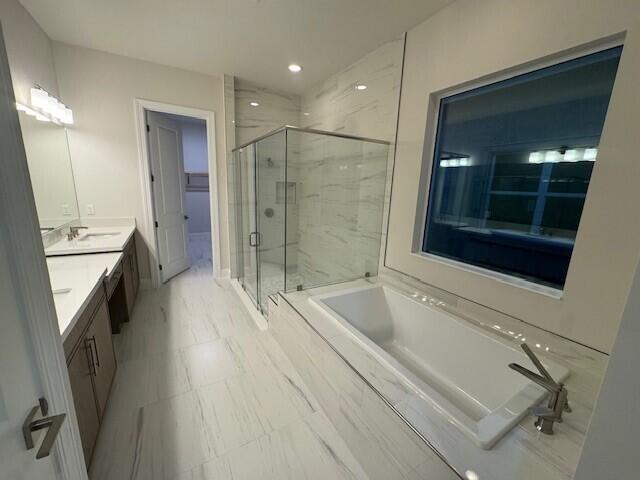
[461, 370]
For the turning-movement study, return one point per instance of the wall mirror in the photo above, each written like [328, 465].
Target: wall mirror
[47, 150]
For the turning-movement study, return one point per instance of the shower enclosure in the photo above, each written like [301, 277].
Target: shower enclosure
[306, 209]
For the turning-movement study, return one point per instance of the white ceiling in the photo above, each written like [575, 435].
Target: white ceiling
[251, 39]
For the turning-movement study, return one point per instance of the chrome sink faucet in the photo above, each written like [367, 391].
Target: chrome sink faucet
[73, 232]
[558, 402]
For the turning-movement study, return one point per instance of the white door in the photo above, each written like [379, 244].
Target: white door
[31, 356]
[167, 169]
[20, 385]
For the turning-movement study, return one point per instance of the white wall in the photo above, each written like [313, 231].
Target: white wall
[101, 89]
[29, 51]
[469, 40]
[611, 448]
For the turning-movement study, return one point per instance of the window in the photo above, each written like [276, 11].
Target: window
[512, 165]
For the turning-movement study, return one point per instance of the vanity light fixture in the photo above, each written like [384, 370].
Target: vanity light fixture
[47, 108]
[361, 86]
[571, 155]
[31, 112]
[295, 68]
[456, 162]
[254, 104]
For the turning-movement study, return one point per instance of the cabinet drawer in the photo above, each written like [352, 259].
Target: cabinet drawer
[77, 332]
[115, 278]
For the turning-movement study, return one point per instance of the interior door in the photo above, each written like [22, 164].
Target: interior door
[249, 236]
[167, 167]
[24, 294]
[20, 385]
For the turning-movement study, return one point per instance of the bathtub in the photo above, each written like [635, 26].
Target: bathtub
[457, 368]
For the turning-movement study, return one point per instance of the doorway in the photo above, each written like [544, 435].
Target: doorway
[178, 170]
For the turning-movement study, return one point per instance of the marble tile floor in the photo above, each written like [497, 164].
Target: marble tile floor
[199, 249]
[201, 393]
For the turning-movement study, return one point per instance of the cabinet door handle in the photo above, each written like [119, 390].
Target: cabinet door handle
[95, 348]
[87, 346]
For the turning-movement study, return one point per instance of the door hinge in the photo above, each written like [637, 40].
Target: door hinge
[148, 128]
[156, 224]
[160, 266]
[153, 179]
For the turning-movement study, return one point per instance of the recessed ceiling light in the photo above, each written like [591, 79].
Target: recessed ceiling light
[306, 114]
[361, 86]
[295, 68]
[254, 104]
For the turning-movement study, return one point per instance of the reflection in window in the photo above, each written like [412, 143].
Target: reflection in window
[513, 164]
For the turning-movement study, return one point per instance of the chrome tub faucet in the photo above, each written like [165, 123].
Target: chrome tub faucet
[557, 403]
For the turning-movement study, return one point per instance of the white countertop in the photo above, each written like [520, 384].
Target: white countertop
[93, 240]
[74, 280]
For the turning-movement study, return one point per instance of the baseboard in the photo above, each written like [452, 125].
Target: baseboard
[256, 316]
[225, 273]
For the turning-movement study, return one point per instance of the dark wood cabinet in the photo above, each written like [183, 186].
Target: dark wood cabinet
[80, 375]
[122, 286]
[104, 358]
[130, 273]
[88, 348]
[92, 365]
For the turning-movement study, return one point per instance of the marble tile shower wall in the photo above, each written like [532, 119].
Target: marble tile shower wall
[340, 208]
[345, 185]
[337, 106]
[275, 110]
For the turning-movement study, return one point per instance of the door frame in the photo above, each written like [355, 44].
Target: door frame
[144, 169]
[23, 241]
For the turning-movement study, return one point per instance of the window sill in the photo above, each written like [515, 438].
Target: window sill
[550, 292]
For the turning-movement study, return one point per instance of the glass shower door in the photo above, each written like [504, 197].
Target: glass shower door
[249, 238]
[271, 195]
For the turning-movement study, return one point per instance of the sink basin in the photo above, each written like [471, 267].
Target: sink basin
[61, 291]
[97, 236]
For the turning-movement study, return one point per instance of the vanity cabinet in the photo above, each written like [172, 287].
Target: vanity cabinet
[92, 365]
[98, 336]
[122, 286]
[130, 273]
[80, 372]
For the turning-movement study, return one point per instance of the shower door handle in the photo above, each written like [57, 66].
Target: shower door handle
[257, 242]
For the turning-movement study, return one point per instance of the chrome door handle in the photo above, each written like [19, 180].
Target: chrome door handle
[52, 424]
